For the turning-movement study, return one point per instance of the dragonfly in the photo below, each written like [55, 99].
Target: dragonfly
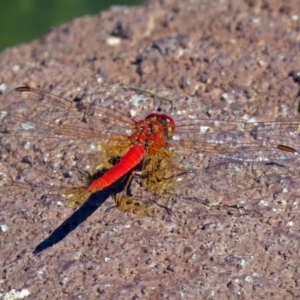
[164, 152]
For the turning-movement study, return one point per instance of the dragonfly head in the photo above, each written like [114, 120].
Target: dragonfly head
[167, 123]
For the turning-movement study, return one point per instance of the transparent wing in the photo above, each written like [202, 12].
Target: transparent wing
[48, 139]
[40, 113]
[246, 141]
[229, 186]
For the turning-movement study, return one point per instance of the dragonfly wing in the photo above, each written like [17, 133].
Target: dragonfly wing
[52, 137]
[47, 115]
[189, 192]
[244, 141]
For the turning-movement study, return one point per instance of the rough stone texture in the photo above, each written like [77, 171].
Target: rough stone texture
[226, 60]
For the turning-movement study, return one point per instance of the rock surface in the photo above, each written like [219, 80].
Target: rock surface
[217, 59]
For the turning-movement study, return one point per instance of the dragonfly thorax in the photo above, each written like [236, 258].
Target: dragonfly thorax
[152, 133]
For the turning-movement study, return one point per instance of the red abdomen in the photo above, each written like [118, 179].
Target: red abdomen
[129, 161]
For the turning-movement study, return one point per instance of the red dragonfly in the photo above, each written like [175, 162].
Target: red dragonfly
[50, 130]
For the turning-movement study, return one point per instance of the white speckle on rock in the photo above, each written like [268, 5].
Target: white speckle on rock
[132, 112]
[137, 100]
[3, 114]
[263, 202]
[256, 21]
[228, 97]
[261, 62]
[27, 145]
[16, 68]
[203, 129]
[294, 17]
[4, 227]
[26, 126]
[113, 41]
[13, 294]
[3, 87]
[243, 263]
[40, 272]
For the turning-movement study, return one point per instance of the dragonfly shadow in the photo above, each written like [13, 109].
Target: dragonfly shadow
[272, 163]
[217, 164]
[78, 217]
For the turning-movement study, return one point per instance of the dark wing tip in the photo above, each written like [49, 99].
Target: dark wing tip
[23, 89]
[286, 148]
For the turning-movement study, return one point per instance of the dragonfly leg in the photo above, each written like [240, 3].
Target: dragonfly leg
[127, 203]
[76, 197]
[141, 208]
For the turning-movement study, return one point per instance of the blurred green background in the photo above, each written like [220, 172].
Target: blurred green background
[24, 20]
